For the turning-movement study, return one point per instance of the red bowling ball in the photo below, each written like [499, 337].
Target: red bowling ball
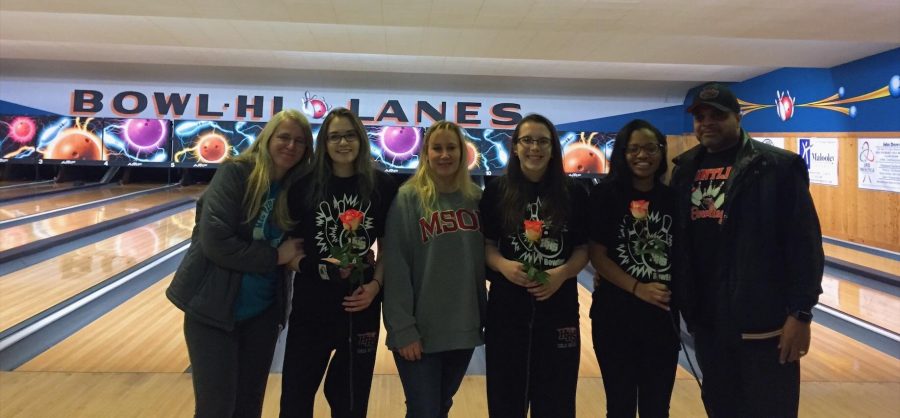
[22, 130]
[212, 148]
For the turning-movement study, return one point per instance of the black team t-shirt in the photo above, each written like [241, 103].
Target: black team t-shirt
[321, 229]
[638, 240]
[706, 217]
[559, 239]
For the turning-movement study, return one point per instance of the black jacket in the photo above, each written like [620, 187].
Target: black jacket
[773, 258]
[207, 282]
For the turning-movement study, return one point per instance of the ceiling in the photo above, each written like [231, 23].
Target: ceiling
[565, 46]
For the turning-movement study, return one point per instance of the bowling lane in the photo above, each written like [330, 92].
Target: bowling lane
[861, 258]
[23, 234]
[34, 289]
[870, 305]
[144, 334]
[835, 357]
[16, 210]
[37, 188]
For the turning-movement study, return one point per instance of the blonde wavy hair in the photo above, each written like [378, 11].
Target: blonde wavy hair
[423, 179]
[257, 156]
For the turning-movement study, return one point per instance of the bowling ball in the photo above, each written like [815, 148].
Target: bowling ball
[471, 155]
[21, 130]
[212, 148]
[145, 134]
[319, 108]
[399, 143]
[75, 144]
[584, 159]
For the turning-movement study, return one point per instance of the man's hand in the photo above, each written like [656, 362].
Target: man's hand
[794, 342]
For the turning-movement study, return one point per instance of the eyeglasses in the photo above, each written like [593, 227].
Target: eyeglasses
[650, 149]
[286, 140]
[350, 137]
[529, 141]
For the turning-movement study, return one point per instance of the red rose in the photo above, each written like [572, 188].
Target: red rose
[534, 230]
[639, 209]
[351, 219]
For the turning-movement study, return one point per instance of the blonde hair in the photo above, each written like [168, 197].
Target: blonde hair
[257, 155]
[423, 179]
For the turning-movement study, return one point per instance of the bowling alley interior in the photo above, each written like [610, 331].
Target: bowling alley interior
[116, 116]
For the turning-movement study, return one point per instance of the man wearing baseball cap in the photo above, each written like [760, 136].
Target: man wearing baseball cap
[749, 264]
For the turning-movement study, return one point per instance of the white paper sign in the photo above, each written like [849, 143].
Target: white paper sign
[778, 142]
[821, 156]
[879, 164]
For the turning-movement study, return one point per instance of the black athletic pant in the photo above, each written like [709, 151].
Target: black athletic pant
[744, 378]
[230, 368]
[637, 349]
[310, 343]
[550, 380]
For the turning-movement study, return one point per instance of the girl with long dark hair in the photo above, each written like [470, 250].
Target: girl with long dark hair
[535, 244]
[341, 205]
[634, 332]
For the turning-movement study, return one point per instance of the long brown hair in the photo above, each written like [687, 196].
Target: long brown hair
[554, 185]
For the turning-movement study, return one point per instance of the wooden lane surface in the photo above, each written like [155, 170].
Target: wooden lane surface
[861, 258]
[34, 289]
[23, 234]
[89, 395]
[16, 210]
[27, 190]
[834, 357]
[870, 305]
[144, 334]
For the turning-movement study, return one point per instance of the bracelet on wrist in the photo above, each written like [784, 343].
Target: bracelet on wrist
[634, 288]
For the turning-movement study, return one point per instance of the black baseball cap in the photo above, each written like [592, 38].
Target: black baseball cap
[716, 95]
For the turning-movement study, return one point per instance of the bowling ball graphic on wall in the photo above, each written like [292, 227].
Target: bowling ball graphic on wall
[73, 142]
[584, 158]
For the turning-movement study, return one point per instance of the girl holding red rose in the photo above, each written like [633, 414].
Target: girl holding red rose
[341, 206]
[635, 336]
[535, 219]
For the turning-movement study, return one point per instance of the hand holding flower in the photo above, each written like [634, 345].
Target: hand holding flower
[345, 256]
[515, 272]
[547, 289]
[362, 297]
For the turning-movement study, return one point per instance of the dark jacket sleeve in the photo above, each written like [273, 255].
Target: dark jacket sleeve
[220, 217]
[802, 237]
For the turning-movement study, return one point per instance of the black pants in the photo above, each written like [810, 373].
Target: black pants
[230, 368]
[541, 373]
[310, 343]
[745, 379]
[637, 349]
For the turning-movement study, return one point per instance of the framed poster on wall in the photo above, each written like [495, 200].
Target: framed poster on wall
[878, 167]
[821, 156]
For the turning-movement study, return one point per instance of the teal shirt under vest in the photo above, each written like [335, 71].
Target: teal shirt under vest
[258, 290]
